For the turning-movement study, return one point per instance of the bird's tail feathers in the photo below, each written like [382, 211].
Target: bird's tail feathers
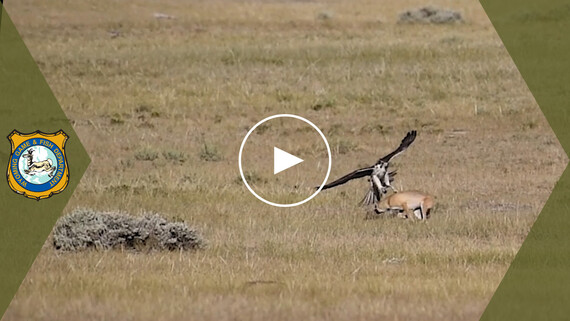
[370, 198]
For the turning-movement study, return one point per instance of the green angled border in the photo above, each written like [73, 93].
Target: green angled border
[537, 284]
[27, 104]
[1, 10]
[535, 34]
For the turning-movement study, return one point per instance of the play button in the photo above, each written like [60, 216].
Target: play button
[283, 160]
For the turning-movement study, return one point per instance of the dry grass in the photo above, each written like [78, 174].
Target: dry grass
[146, 96]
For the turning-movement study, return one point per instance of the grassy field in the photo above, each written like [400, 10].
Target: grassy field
[162, 105]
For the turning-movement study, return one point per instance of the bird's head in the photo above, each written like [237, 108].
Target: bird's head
[382, 165]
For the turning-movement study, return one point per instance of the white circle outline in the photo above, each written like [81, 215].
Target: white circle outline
[279, 204]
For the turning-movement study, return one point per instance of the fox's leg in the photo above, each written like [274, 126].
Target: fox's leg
[408, 211]
[419, 213]
[427, 204]
[401, 214]
[378, 210]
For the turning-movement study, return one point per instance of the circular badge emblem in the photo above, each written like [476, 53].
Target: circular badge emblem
[283, 160]
[40, 163]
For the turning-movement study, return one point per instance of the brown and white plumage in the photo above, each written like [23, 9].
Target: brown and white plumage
[379, 177]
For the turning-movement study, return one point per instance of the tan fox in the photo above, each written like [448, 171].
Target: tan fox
[407, 202]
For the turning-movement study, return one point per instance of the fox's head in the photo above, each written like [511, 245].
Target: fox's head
[383, 203]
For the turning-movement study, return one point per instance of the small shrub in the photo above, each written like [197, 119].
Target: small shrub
[262, 129]
[430, 15]
[144, 109]
[174, 155]
[252, 178]
[84, 229]
[118, 189]
[210, 153]
[325, 15]
[126, 163]
[283, 96]
[342, 146]
[531, 124]
[323, 104]
[375, 128]
[146, 154]
[117, 119]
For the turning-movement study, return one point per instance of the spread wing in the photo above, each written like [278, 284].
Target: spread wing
[407, 141]
[367, 171]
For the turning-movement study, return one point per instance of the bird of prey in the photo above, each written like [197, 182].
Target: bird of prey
[377, 174]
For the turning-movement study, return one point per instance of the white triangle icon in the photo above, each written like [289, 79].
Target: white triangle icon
[283, 160]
